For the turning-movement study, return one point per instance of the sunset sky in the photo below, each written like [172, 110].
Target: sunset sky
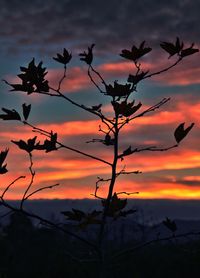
[41, 29]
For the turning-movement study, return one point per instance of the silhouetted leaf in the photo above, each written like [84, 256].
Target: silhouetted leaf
[10, 115]
[118, 90]
[108, 141]
[180, 132]
[74, 215]
[3, 155]
[28, 146]
[64, 58]
[189, 51]
[172, 48]
[26, 110]
[83, 218]
[125, 109]
[136, 52]
[87, 57]
[33, 79]
[136, 78]
[116, 205]
[171, 225]
[127, 151]
[50, 145]
[97, 108]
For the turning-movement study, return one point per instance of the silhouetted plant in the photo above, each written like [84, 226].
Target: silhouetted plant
[33, 81]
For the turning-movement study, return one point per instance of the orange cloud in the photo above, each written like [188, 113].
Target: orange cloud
[68, 169]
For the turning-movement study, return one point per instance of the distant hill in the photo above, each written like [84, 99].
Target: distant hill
[146, 224]
[150, 211]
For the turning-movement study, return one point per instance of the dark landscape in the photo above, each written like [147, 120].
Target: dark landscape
[32, 249]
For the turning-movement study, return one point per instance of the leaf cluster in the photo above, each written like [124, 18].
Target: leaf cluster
[116, 207]
[126, 109]
[178, 48]
[13, 115]
[170, 224]
[63, 58]
[32, 78]
[83, 219]
[136, 52]
[31, 144]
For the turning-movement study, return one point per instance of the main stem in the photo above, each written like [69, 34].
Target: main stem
[110, 194]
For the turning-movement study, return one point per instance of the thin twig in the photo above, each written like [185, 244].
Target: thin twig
[127, 193]
[48, 134]
[163, 70]
[32, 172]
[142, 245]
[99, 75]
[150, 109]
[13, 182]
[40, 189]
[92, 80]
[48, 222]
[62, 79]
[151, 149]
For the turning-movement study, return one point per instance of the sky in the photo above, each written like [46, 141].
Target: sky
[40, 29]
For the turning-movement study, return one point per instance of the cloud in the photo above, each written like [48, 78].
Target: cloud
[109, 24]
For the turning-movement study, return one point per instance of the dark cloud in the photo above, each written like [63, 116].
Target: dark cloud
[190, 183]
[43, 24]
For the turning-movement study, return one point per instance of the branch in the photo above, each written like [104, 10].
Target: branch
[155, 149]
[48, 134]
[62, 78]
[128, 173]
[150, 109]
[32, 172]
[127, 193]
[152, 149]
[40, 189]
[142, 245]
[163, 70]
[13, 182]
[98, 74]
[101, 116]
[48, 222]
[92, 80]
[122, 172]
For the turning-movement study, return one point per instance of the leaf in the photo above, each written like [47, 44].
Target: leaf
[119, 90]
[172, 48]
[124, 108]
[169, 48]
[26, 110]
[97, 108]
[136, 52]
[180, 132]
[74, 215]
[108, 141]
[3, 155]
[137, 78]
[127, 151]
[64, 58]
[87, 57]
[28, 146]
[10, 115]
[189, 51]
[32, 79]
[50, 145]
[171, 225]
[83, 218]
[115, 206]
